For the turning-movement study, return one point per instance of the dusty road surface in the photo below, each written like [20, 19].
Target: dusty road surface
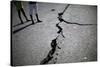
[36, 44]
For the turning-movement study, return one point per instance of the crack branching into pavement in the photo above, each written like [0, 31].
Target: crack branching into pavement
[54, 42]
[62, 20]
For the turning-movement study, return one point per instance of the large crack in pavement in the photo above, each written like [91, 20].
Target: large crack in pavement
[54, 43]
[60, 29]
[54, 47]
[51, 52]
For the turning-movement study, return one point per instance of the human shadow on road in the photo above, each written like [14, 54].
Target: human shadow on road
[20, 24]
[15, 31]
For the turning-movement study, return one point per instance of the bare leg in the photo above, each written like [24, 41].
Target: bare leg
[24, 14]
[19, 14]
[38, 18]
[36, 12]
[32, 19]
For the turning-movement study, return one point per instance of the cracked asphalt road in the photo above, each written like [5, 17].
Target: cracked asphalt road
[32, 44]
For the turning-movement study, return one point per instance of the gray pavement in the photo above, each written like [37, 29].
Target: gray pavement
[32, 44]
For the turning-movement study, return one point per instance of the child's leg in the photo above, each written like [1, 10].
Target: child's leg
[36, 13]
[24, 14]
[19, 14]
[31, 12]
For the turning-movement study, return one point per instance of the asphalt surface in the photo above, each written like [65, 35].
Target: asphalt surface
[32, 43]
